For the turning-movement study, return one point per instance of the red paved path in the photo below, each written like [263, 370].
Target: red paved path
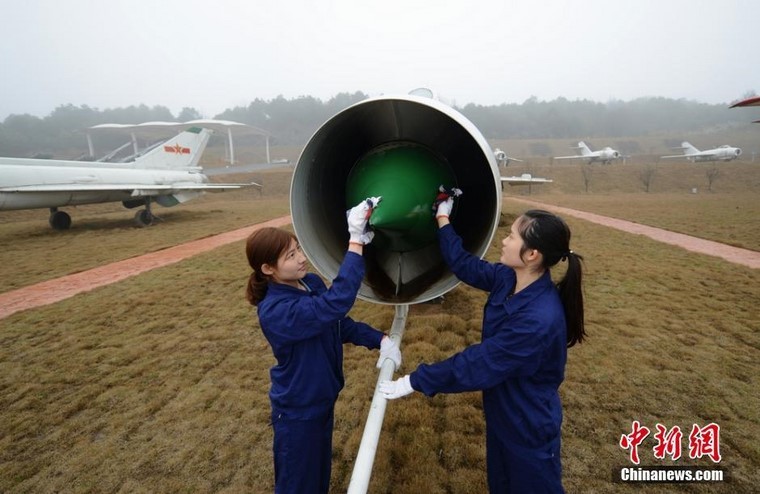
[745, 257]
[52, 291]
[58, 289]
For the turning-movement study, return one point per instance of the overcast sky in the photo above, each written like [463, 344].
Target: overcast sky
[217, 54]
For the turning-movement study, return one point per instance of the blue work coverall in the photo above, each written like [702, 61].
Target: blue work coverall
[306, 330]
[519, 365]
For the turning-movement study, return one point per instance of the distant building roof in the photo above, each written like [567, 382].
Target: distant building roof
[151, 128]
[155, 129]
[753, 101]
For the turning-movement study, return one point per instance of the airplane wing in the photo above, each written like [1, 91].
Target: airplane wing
[753, 101]
[701, 155]
[525, 179]
[137, 189]
[233, 169]
[578, 156]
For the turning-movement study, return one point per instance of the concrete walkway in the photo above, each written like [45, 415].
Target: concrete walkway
[51, 291]
[736, 255]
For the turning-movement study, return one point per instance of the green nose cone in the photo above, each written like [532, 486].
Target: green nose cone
[407, 177]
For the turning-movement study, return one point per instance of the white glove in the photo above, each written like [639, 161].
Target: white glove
[444, 203]
[396, 389]
[358, 218]
[444, 208]
[389, 349]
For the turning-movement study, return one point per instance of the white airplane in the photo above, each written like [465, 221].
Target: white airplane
[525, 179]
[722, 153]
[605, 155]
[168, 175]
[502, 159]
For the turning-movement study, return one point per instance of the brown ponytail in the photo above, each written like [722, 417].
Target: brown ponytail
[256, 288]
[264, 246]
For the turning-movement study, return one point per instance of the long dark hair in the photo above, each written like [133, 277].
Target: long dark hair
[264, 246]
[550, 235]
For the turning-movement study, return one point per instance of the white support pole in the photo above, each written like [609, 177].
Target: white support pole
[368, 447]
[90, 146]
[269, 160]
[232, 147]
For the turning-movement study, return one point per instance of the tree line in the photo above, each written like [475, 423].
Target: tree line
[293, 121]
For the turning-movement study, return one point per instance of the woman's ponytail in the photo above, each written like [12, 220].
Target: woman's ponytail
[550, 235]
[264, 246]
[256, 289]
[571, 294]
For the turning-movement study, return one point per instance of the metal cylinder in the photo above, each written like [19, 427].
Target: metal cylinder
[405, 266]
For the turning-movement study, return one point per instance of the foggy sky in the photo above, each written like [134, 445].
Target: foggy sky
[219, 54]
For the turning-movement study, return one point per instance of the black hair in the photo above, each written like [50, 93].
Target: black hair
[550, 235]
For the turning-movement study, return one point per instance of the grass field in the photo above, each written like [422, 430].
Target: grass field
[159, 383]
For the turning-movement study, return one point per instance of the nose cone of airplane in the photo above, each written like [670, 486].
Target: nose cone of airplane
[407, 176]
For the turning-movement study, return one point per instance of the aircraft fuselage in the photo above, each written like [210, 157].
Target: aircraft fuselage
[724, 153]
[33, 183]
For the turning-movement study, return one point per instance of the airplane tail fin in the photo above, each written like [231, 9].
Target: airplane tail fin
[585, 151]
[688, 148]
[182, 151]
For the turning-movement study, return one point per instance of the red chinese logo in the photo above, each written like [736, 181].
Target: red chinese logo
[668, 442]
[177, 149]
[703, 441]
[632, 440]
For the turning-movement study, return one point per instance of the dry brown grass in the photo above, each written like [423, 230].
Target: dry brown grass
[30, 251]
[728, 215]
[159, 383]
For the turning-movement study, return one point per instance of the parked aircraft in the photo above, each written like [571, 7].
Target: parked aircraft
[525, 179]
[502, 159]
[605, 155]
[168, 175]
[722, 153]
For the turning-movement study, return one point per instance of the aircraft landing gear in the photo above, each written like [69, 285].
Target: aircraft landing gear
[59, 220]
[143, 218]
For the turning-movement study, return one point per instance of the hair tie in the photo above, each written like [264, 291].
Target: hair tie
[565, 256]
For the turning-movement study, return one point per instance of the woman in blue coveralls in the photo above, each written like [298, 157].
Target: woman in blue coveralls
[528, 324]
[306, 325]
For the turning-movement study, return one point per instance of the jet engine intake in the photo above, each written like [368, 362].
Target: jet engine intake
[401, 148]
